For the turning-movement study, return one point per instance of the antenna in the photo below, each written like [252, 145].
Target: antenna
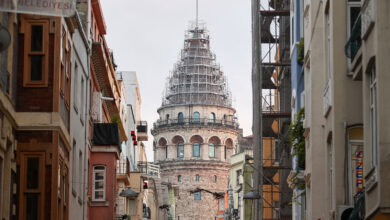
[196, 13]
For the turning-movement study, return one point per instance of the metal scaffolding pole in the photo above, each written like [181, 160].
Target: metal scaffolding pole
[257, 109]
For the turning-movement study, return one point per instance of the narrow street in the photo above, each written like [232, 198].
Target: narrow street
[194, 110]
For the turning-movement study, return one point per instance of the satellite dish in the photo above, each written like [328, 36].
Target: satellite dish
[5, 38]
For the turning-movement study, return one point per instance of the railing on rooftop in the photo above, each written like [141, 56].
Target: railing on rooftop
[355, 40]
[195, 121]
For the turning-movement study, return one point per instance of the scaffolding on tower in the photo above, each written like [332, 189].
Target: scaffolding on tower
[196, 77]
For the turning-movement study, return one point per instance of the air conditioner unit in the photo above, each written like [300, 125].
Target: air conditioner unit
[343, 212]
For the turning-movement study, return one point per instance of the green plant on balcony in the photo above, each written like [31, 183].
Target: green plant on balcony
[115, 119]
[297, 138]
[301, 51]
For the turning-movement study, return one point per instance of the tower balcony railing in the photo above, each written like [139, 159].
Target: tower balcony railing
[195, 121]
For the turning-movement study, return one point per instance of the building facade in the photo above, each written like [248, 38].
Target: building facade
[196, 132]
[345, 122]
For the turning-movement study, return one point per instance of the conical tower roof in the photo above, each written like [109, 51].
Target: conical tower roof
[196, 77]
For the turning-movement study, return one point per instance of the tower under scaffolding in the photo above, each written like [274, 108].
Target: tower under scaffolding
[197, 78]
[276, 102]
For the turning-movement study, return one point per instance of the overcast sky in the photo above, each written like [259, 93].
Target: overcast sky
[147, 35]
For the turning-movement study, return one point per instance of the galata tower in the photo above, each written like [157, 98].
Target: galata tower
[196, 133]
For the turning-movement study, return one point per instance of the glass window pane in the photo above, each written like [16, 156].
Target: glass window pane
[99, 185]
[36, 67]
[180, 150]
[98, 194]
[196, 117]
[36, 38]
[32, 201]
[211, 150]
[197, 196]
[32, 173]
[99, 176]
[180, 118]
[196, 150]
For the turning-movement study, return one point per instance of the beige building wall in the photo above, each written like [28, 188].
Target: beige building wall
[338, 95]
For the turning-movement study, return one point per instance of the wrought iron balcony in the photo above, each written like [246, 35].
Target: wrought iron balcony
[195, 122]
[355, 40]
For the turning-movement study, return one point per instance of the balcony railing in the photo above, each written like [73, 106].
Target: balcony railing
[123, 166]
[148, 168]
[355, 40]
[142, 126]
[105, 134]
[195, 121]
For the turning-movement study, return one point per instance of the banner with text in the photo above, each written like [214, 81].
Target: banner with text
[64, 8]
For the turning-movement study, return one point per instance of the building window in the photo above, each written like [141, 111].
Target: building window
[211, 150]
[179, 178]
[330, 173]
[167, 117]
[166, 152]
[356, 163]
[82, 104]
[196, 150]
[224, 152]
[76, 87]
[212, 117]
[32, 179]
[197, 196]
[215, 178]
[180, 118]
[196, 117]
[99, 183]
[81, 179]
[238, 174]
[221, 204]
[36, 54]
[74, 167]
[373, 118]
[197, 177]
[180, 150]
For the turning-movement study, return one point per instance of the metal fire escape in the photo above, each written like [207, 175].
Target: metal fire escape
[276, 107]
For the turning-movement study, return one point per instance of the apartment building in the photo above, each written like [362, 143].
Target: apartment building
[345, 104]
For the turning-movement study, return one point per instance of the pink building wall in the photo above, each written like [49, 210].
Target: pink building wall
[104, 210]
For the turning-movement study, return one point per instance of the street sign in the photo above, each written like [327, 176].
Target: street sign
[64, 8]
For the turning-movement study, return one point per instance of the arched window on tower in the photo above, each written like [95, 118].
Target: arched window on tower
[211, 150]
[196, 150]
[212, 117]
[196, 118]
[180, 118]
[167, 118]
[180, 150]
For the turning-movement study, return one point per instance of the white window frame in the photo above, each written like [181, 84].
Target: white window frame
[94, 181]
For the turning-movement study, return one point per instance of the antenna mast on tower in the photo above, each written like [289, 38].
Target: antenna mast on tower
[196, 13]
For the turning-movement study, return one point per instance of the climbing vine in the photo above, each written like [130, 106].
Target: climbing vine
[297, 138]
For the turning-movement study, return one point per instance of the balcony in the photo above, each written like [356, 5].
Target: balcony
[149, 168]
[106, 134]
[193, 122]
[123, 169]
[355, 40]
[142, 131]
